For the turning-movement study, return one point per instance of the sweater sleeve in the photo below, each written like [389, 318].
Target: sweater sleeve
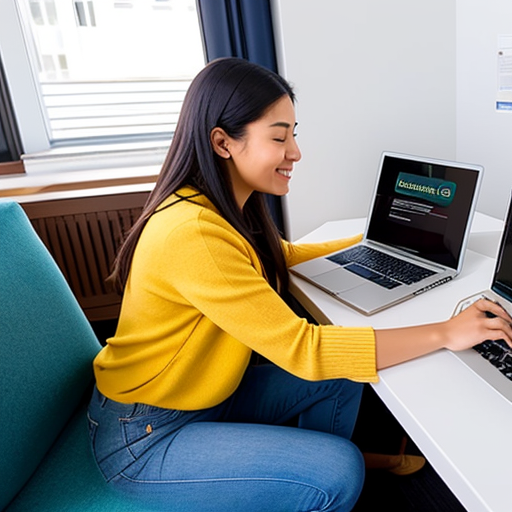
[298, 253]
[217, 272]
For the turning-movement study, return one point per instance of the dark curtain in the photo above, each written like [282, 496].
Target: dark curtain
[241, 28]
[10, 143]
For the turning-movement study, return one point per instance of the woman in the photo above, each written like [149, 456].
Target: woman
[180, 419]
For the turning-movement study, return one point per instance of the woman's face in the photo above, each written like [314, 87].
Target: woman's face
[263, 159]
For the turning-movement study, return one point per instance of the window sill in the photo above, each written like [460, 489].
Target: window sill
[9, 168]
[66, 172]
[99, 156]
[77, 184]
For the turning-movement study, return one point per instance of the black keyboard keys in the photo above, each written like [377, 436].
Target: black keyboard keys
[498, 353]
[380, 267]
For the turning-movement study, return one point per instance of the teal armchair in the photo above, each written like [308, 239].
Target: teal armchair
[46, 350]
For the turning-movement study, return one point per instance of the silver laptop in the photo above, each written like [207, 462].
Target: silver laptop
[492, 360]
[415, 237]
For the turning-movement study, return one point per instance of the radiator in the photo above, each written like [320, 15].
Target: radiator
[83, 235]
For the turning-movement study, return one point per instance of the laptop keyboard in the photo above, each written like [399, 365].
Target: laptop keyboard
[379, 267]
[498, 353]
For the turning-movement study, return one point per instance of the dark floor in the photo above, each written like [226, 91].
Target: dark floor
[377, 431]
[424, 491]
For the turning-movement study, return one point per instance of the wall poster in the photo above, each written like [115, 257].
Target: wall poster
[504, 92]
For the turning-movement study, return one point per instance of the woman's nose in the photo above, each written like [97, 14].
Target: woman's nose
[293, 152]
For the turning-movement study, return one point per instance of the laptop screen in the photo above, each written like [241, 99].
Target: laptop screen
[502, 282]
[423, 206]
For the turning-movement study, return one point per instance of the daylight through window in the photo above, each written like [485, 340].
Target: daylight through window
[111, 70]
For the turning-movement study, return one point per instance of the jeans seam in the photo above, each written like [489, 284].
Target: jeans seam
[289, 409]
[94, 422]
[227, 479]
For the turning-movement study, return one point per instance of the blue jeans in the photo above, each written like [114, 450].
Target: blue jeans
[237, 456]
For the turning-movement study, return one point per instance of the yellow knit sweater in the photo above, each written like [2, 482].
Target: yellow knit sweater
[195, 306]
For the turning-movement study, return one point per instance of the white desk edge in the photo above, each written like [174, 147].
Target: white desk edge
[461, 424]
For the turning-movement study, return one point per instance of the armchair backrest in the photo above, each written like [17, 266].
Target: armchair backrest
[46, 350]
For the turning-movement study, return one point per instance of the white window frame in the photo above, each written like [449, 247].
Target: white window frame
[22, 86]
[39, 155]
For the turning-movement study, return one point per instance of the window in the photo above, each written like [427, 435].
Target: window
[92, 72]
[85, 14]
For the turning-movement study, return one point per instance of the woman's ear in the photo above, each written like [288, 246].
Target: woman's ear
[219, 141]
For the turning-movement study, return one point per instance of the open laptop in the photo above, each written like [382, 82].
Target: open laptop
[418, 224]
[492, 360]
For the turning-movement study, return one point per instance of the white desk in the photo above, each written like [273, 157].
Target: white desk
[461, 424]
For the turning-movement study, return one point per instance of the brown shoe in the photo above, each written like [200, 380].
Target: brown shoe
[397, 464]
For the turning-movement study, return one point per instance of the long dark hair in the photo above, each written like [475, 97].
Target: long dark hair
[228, 93]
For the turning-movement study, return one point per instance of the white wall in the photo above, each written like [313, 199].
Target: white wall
[370, 76]
[483, 135]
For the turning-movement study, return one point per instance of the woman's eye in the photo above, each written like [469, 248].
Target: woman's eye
[279, 140]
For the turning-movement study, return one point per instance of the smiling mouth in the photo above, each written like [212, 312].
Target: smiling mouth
[283, 172]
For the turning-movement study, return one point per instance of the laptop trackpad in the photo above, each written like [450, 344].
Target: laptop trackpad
[370, 297]
[338, 280]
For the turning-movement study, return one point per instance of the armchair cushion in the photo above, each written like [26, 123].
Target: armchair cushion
[47, 346]
[46, 352]
[68, 479]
